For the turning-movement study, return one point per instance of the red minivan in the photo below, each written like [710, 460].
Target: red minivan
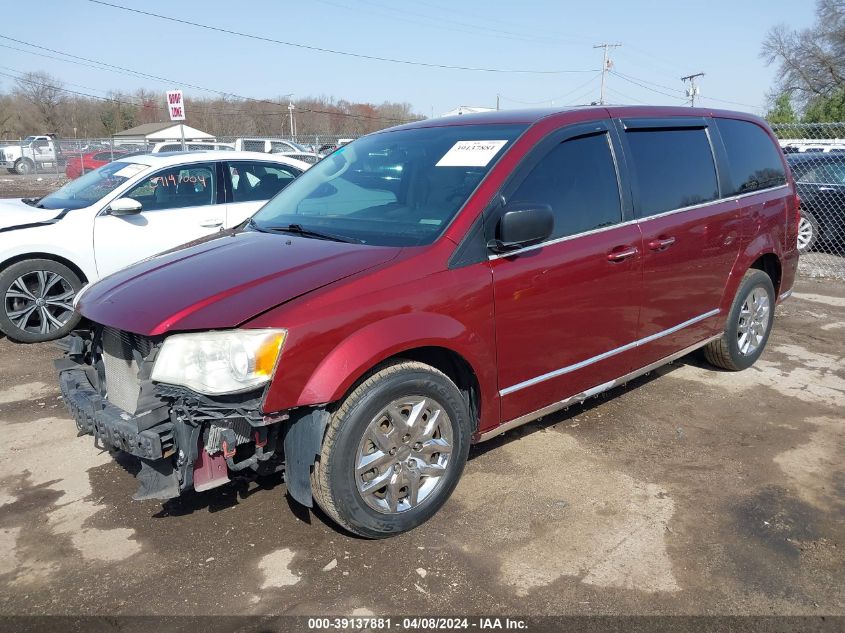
[431, 286]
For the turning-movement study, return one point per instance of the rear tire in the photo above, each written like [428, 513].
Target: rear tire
[394, 451]
[748, 325]
[38, 299]
[808, 232]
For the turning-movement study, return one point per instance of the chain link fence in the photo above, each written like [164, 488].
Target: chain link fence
[51, 156]
[816, 154]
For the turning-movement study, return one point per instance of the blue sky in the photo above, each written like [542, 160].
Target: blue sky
[661, 41]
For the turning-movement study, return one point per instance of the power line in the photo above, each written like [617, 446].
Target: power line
[334, 51]
[652, 83]
[436, 22]
[114, 68]
[559, 98]
[624, 96]
[642, 85]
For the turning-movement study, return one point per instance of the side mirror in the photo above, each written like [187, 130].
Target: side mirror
[124, 206]
[522, 225]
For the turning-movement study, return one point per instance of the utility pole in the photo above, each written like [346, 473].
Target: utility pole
[692, 91]
[497, 102]
[606, 65]
[292, 120]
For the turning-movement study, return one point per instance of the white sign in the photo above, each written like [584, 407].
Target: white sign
[175, 105]
[471, 153]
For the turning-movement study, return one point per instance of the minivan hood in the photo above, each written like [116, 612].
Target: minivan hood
[15, 212]
[222, 282]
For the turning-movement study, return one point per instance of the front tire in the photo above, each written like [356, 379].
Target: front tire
[748, 326]
[38, 300]
[394, 451]
[24, 166]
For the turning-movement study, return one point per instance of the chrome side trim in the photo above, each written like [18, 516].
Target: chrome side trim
[584, 363]
[635, 221]
[562, 404]
[558, 240]
[786, 295]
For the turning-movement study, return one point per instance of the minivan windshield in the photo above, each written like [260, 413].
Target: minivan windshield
[88, 189]
[398, 188]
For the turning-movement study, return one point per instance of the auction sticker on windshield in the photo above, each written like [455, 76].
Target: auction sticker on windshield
[471, 154]
[130, 170]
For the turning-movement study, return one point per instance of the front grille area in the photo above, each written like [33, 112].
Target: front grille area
[214, 440]
[122, 354]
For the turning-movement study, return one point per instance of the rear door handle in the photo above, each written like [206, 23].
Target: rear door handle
[661, 244]
[212, 222]
[621, 253]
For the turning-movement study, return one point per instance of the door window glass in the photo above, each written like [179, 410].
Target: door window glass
[673, 169]
[257, 180]
[578, 180]
[754, 160]
[177, 187]
[829, 173]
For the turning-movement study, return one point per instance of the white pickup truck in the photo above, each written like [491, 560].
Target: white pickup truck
[33, 152]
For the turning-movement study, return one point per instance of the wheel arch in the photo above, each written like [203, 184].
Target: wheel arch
[11, 261]
[434, 339]
[446, 360]
[762, 253]
[770, 264]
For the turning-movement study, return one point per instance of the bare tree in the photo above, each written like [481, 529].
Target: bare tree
[46, 95]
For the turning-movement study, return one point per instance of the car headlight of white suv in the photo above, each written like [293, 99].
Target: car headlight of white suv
[222, 362]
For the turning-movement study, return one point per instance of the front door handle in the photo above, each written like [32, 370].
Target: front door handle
[661, 244]
[621, 253]
[212, 222]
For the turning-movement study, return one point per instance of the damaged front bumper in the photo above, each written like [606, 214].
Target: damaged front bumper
[184, 440]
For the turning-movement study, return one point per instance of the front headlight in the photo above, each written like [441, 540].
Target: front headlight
[217, 363]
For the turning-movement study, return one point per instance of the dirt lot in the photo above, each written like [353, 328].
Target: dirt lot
[15, 186]
[691, 491]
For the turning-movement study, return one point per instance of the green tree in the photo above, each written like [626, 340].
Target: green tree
[782, 111]
[826, 109]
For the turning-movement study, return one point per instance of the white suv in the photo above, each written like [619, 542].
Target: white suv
[114, 216]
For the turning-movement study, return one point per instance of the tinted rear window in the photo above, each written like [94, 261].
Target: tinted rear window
[674, 169]
[754, 160]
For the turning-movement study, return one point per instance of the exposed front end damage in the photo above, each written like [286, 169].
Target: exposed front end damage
[184, 440]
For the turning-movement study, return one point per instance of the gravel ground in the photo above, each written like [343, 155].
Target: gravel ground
[690, 491]
[15, 186]
[822, 265]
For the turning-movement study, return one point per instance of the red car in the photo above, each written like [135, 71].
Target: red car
[432, 286]
[83, 163]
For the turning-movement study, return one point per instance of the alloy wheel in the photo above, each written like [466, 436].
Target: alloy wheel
[753, 321]
[404, 454]
[805, 234]
[40, 301]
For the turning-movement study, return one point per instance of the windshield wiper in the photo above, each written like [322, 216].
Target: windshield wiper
[298, 229]
[33, 202]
